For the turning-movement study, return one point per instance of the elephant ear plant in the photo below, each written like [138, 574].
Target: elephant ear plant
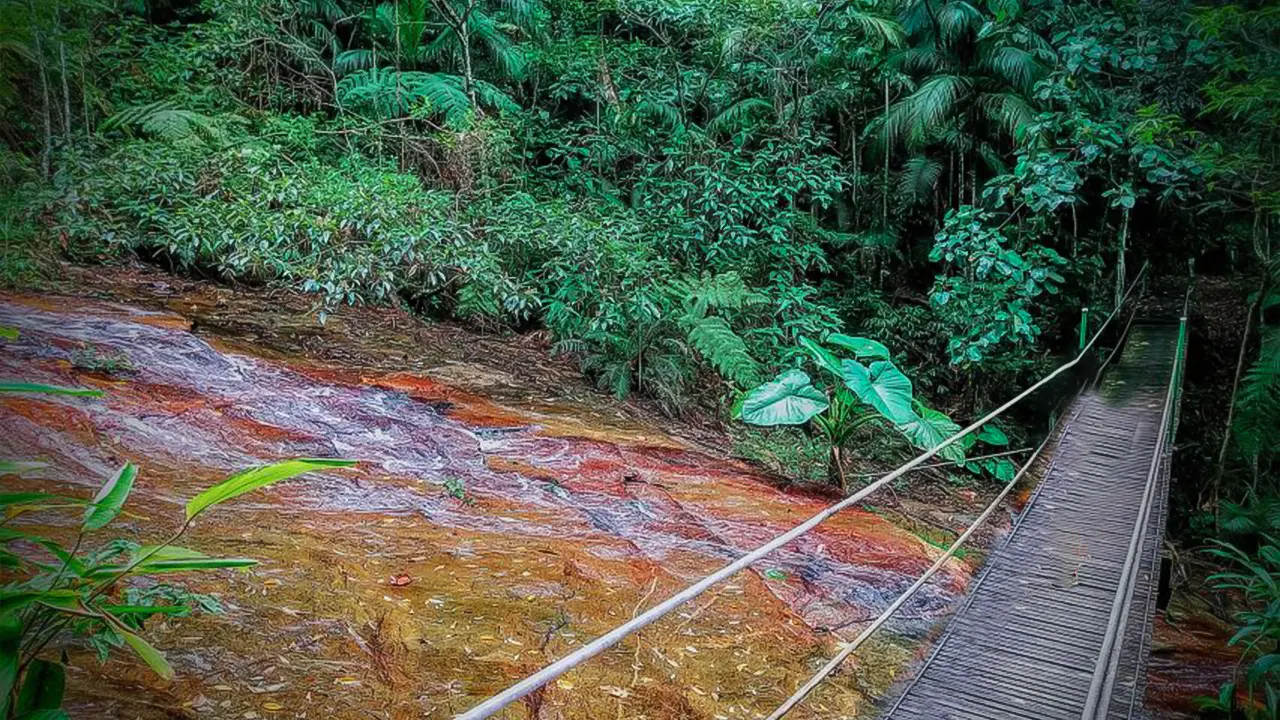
[865, 390]
[52, 590]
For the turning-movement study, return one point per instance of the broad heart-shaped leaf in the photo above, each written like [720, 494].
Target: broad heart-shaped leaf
[42, 687]
[789, 399]
[928, 429]
[882, 386]
[821, 356]
[860, 346]
[992, 435]
[255, 478]
[107, 503]
[47, 390]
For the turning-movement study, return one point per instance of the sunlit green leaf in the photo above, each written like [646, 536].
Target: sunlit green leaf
[258, 477]
[928, 429]
[789, 399]
[8, 333]
[107, 503]
[883, 387]
[821, 356]
[863, 348]
[992, 435]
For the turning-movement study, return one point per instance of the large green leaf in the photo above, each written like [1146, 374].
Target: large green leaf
[47, 390]
[8, 333]
[882, 386]
[821, 356]
[42, 687]
[789, 399]
[863, 348]
[929, 429]
[10, 642]
[255, 478]
[992, 435]
[107, 503]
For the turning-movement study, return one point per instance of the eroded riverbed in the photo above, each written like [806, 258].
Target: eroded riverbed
[524, 525]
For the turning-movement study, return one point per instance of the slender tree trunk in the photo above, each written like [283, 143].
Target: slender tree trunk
[1218, 470]
[884, 203]
[66, 85]
[1120, 269]
[47, 123]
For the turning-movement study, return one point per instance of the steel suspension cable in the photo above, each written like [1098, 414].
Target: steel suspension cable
[893, 608]
[611, 638]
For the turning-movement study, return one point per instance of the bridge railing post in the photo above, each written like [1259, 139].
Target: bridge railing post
[1084, 327]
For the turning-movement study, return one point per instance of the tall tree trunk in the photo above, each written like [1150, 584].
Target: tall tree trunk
[47, 152]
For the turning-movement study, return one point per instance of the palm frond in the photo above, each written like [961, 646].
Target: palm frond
[883, 30]
[919, 178]
[389, 93]
[350, 61]
[957, 20]
[1017, 67]
[1009, 112]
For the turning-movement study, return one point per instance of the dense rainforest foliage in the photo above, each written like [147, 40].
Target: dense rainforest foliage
[682, 193]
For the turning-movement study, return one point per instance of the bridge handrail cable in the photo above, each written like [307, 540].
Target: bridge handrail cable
[1101, 685]
[586, 652]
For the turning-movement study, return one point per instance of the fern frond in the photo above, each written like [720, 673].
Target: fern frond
[738, 116]
[1257, 422]
[664, 114]
[163, 121]
[725, 350]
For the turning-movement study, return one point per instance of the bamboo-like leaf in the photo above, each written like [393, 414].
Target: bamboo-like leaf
[151, 656]
[107, 503]
[48, 390]
[18, 467]
[258, 477]
[36, 498]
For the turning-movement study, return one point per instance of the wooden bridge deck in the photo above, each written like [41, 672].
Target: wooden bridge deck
[1026, 642]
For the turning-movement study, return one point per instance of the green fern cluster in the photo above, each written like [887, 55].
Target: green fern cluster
[1257, 420]
[164, 121]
